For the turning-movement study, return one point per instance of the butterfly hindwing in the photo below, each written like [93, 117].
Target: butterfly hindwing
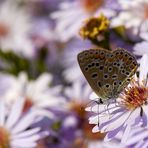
[119, 68]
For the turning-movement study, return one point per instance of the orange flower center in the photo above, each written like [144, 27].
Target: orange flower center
[135, 96]
[78, 108]
[91, 5]
[4, 30]
[4, 138]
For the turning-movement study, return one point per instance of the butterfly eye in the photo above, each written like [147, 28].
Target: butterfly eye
[111, 55]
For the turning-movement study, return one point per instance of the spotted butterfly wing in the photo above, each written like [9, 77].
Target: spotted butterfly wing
[107, 72]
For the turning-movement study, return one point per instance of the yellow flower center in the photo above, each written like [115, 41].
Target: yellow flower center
[135, 96]
[91, 5]
[4, 138]
[4, 30]
[94, 27]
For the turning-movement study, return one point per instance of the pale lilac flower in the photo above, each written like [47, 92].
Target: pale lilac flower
[141, 48]
[39, 95]
[15, 26]
[138, 138]
[77, 100]
[15, 131]
[129, 110]
[77, 93]
[72, 70]
[102, 144]
[71, 14]
[134, 16]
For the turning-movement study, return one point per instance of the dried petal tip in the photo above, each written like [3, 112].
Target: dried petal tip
[92, 5]
[95, 28]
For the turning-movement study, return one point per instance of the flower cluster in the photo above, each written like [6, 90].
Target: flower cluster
[45, 101]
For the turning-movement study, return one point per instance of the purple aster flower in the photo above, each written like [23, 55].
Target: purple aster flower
[15, 128]
[69, 20]
[134, 16]
[72, 70]
[129, 110]
[141, 48]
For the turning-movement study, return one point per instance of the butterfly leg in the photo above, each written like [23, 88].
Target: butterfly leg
[141, 111]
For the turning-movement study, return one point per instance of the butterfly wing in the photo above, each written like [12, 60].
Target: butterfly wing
[119, 69]
[92, 65]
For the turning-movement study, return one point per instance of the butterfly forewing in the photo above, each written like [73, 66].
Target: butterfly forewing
[92, 65]
[107, 72]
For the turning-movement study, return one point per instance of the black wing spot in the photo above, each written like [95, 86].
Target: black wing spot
[102, 53]
[123, 71]
[94, 75]
[86, 69]
[114, 76]
[120, 83]
[107, 85]
[106, 76]
[121, 67]
[93, 64]
[114, 63]
[115, 83]
[101, 67]
[99, 84]
[89, 65]
[97, 64]
[127, 73]
[126, 55]
[121, 52]
[110, 69]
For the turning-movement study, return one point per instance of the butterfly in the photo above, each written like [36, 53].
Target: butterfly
[107, 72]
